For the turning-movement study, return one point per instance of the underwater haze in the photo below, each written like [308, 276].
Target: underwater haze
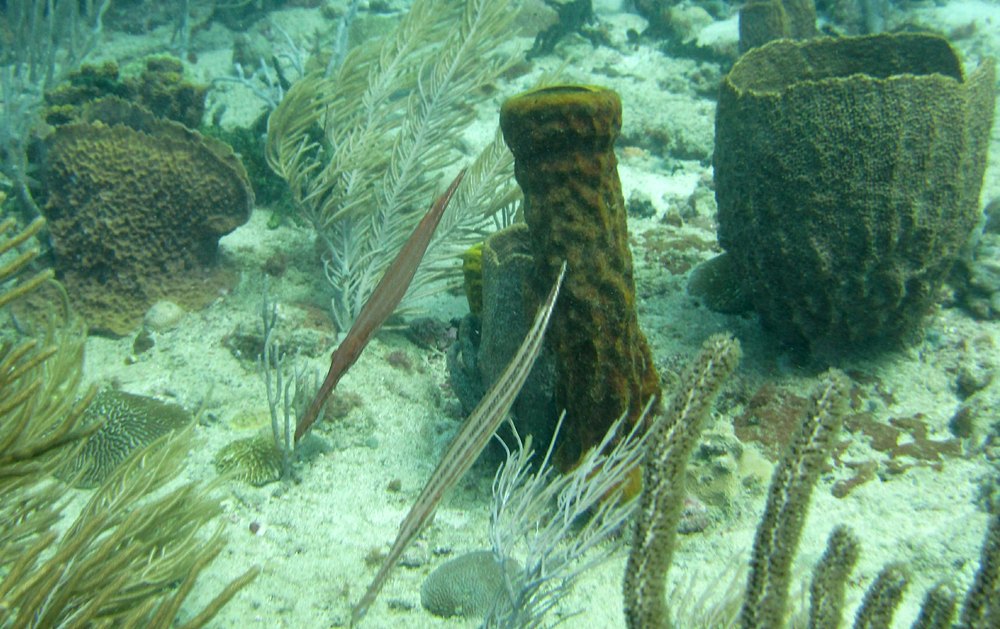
[780, 223]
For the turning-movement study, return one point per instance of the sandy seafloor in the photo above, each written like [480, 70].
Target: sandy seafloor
[314, 534]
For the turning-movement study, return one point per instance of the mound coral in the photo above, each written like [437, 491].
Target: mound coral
[161, 88]
[136, 206]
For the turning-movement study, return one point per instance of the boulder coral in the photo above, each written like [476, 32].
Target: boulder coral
[136, 206]
[161, 88]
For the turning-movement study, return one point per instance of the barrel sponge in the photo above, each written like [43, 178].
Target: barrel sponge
[136, 206]
[507, 313]
[847, 174]
[562, 138]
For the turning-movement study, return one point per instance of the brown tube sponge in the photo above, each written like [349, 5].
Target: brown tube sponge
[562, 139]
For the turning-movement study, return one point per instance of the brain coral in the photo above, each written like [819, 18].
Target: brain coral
[136, 206]
[469, 585]
[256, 460]
[129, 422]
